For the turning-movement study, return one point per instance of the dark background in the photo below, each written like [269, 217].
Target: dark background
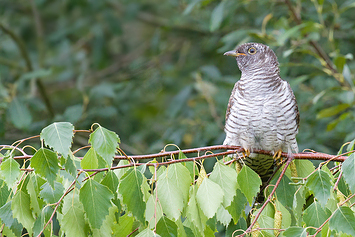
[154, 71]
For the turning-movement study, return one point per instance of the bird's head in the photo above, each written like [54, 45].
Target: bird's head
[252, 56]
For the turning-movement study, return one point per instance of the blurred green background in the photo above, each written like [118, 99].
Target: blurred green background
[154, 71]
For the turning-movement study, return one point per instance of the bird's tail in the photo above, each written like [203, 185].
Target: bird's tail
[264, 166]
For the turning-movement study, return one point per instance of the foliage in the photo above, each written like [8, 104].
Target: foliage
[57, 194]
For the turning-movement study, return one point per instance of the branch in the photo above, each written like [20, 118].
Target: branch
[301, 156]
[11, 63]
[133, 232]
[231, 150]
[39, 32]
[21, 45]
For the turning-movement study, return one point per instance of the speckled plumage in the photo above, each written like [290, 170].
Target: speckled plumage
[262, 111]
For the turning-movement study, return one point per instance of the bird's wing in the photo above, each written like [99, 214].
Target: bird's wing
[294, 102]
[231, 100]
[292, 118]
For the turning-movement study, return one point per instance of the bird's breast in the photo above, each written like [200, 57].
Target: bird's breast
[252, 122]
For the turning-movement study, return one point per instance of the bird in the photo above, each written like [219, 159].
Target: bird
[262, 112]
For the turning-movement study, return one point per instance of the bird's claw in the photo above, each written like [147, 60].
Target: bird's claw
[246, 153]
[277, 156]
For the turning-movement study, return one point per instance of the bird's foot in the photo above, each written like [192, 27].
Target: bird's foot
[246, 153]
[277, 156]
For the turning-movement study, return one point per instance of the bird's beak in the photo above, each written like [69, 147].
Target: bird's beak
[234, 53]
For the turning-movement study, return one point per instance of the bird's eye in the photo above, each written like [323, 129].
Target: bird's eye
[252, 50]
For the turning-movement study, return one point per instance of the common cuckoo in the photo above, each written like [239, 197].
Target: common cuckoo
[262, 111]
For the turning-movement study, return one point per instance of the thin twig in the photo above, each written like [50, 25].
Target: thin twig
[326, 221]
[133, 232]
[289, 159]
[21, 45]
[69, 189]
[337, 182]
[156, 197]
[302, 156]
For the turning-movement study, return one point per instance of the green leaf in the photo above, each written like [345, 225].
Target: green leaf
[19, 114]
[295, 231]
[9, 221]
[217, 16]
[39, 73]
[346, 6]
[285, 192]
[178, 101]
[334, 110]
[147, 233]
[73, 220]
[111, 181]
[70, 164]
[125, 225]
[6, 214]
[209, 197]
[286, 215]
[304, 167]
[21, 209]
[320, 183]
[90, 160]
[238, 229]
[131, 190]
[223, 216]
[166, 227]
[190, 6]
[58, 136]
[73, 113]
[339, 62]
[266, 222]
[298, 204]
[343, 220]
[194, 212]
[120, 172]
[45, 163]
[237, 205]
[179, 175]
[170, 197]
[153, 211]
[348, 168]
[10, 170]
[181, 229]
[106, 228]
[95, 198]
[4, 192]
[41, 220]
[51, 195]
[33, 188]
[14, 231]
[226, 178]
[105, 143]
[249, 183]
[314, 216]
[281, 40]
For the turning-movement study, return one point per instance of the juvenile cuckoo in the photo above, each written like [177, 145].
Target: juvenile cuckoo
[262, 111]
